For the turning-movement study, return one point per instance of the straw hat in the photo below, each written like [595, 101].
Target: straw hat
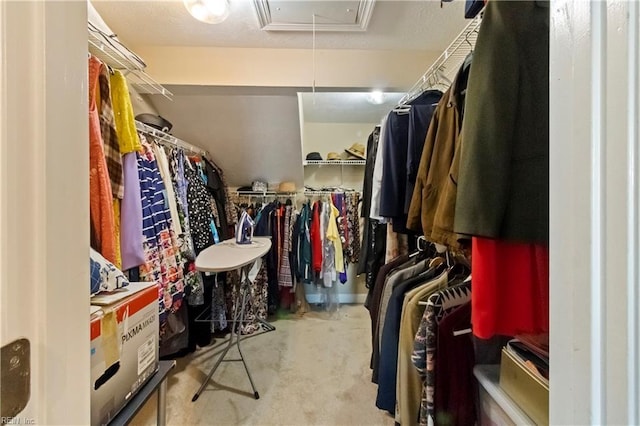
[287, 187]
[357, 149]
[332, 156]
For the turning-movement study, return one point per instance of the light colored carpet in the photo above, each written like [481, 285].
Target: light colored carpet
[313, 370]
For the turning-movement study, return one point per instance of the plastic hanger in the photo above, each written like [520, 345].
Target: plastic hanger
[441, 77]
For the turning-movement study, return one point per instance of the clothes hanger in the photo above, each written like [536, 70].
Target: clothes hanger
[441, 77]
[466, 38]
[420, 248]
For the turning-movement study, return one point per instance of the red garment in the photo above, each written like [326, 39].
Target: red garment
[100, 196]
[286, 298]
[316, 240]
[510, 288]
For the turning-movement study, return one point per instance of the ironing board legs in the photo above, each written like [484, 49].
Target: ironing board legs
[238, 314]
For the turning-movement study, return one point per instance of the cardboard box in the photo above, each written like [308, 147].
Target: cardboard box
[526, 390]
[124, 347]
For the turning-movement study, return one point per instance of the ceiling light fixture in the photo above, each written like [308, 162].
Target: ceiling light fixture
[376, 97]
[208, 11]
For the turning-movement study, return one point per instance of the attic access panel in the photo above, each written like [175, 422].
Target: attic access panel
[297, 15]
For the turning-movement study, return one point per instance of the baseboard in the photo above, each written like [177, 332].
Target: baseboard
[342, 298]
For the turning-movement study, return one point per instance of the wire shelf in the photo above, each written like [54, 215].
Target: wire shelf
[110, 51]
[334, 162]
[329, 192]
[168, 139]
[444, 69]
[266, 193]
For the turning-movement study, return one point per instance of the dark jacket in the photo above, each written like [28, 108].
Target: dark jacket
[394, 176]
[503, 185]
[435, 164]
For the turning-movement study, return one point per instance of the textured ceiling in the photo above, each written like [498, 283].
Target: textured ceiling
[302, 15]
[395, 24]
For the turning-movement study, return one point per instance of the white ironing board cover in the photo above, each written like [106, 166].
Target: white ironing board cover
[229, 256]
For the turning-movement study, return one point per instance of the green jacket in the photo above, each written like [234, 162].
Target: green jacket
[503, 182]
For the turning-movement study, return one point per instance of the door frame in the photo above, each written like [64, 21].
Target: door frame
[44, 206]
[594, 212]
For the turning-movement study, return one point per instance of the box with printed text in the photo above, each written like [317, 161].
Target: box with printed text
[124, 347]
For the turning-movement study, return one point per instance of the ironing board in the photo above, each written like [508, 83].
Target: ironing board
[230, 256]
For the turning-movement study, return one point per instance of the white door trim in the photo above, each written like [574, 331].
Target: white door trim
[44, 239]
[595, 222]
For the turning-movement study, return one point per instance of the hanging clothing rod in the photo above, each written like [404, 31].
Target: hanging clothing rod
[168, 139]
[266, 194]
[444, 69]
[328, 192]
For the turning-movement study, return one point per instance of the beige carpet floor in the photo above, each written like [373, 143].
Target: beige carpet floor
[313, 370]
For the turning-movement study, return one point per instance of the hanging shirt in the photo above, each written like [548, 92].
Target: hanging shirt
[284, 277]
[378, 169]
[110, 136]
[100, 195]
[328, 249]
[423, 357]
[395, 149]
[215, 186]
[339, 201]
[419, 120]
[123, 114]
[304, 243]
[316, 238]
[131, 215]
[372, 150]
[163, 166]
[179, 180]
[186, 257]
[353, 223]
[116, 231]
[200, 215]
[386, 398]
[161, 264]
[333, 236]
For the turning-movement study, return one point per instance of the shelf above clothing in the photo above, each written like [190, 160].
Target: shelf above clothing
[329, 191]
[266, 193]
[443, 71]
[169, 140]
[114, 54]
[334, 162]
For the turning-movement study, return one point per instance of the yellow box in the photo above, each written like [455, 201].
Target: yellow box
[526, 390]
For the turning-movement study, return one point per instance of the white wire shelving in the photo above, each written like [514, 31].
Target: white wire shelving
[114, 54]
[444, 69]
[334, 162]
[169, 140]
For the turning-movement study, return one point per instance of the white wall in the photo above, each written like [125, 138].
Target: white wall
[326, 137]
[220, 66]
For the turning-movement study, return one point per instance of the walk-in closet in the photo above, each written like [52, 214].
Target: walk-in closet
[332, 212]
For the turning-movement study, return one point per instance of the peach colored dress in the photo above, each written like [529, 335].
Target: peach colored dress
[100, 195]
